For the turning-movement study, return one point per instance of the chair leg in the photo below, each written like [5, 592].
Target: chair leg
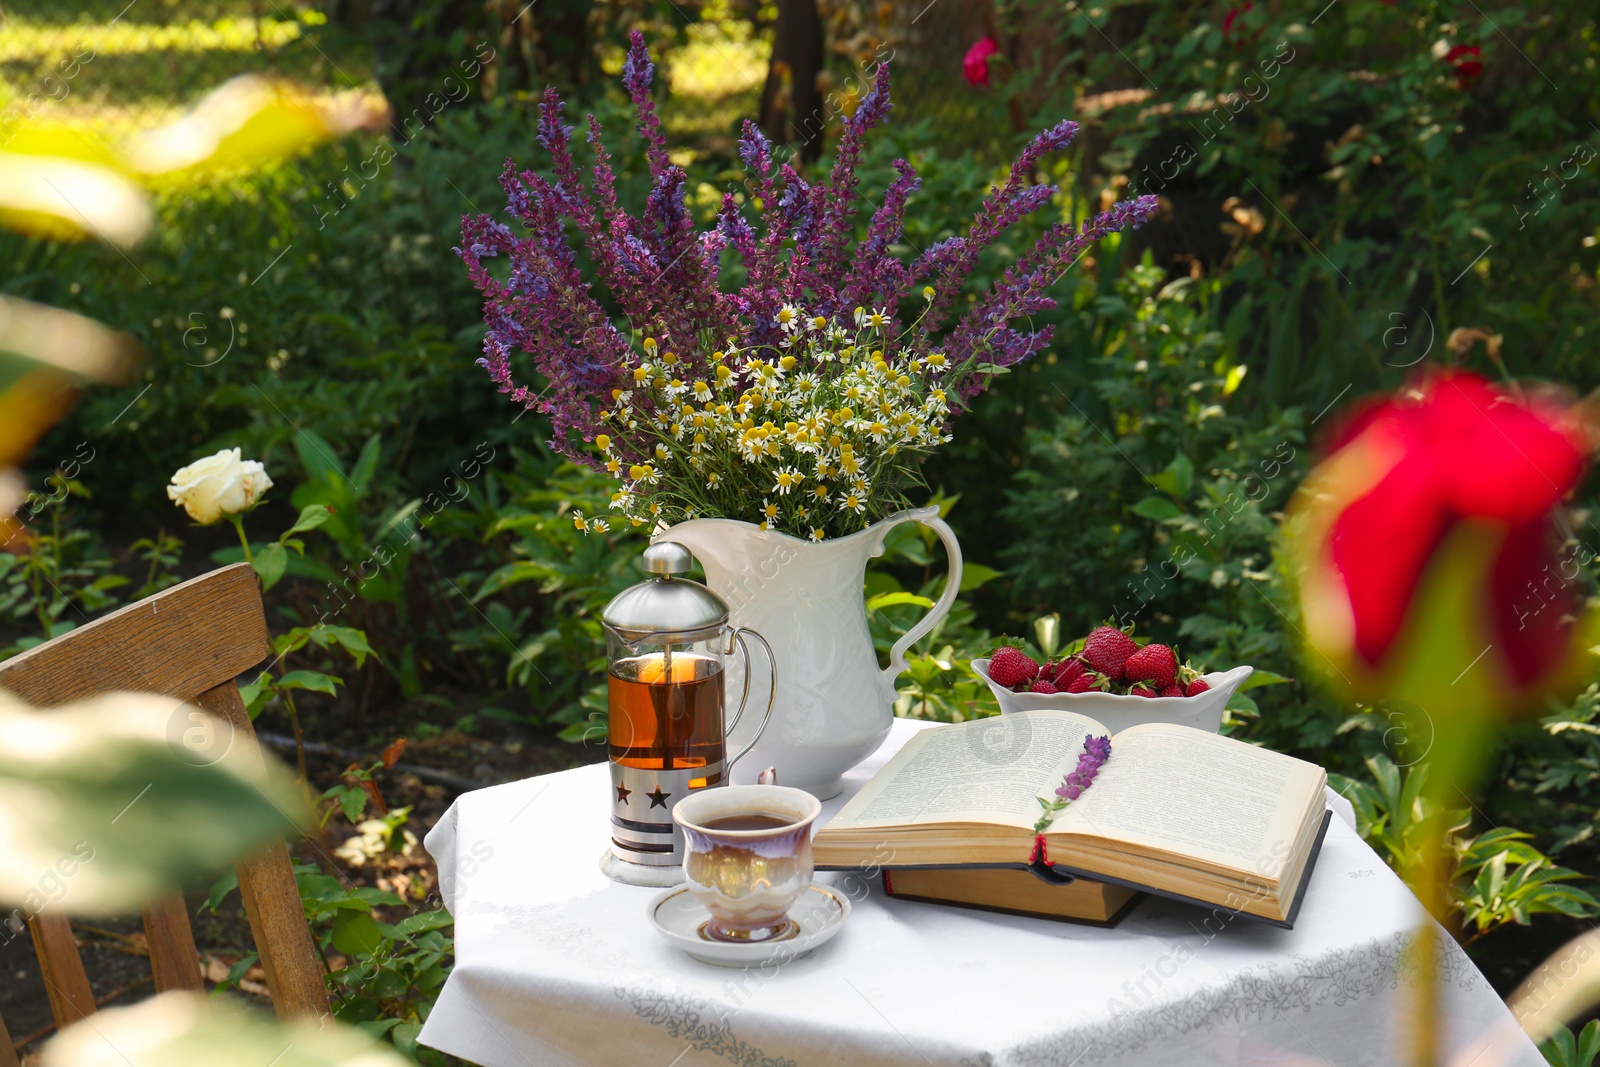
[271, 897]
[8, 1051]
[174, 961]
[64, 979]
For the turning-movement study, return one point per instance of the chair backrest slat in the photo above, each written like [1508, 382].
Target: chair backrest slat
[189, 642]
[179, 643]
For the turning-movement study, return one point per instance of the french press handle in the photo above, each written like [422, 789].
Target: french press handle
[744, 698]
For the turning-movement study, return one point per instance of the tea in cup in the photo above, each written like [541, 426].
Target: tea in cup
[747, 857]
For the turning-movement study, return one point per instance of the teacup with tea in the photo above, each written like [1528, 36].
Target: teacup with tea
[747, 857]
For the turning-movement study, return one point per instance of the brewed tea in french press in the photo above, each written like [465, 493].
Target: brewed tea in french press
[667, 642]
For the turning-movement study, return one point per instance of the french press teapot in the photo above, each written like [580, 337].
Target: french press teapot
[667, 641]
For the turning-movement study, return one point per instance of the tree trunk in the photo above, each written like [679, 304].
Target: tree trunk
[791, 104]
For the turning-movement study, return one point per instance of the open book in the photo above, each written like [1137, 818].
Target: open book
[1175, 810]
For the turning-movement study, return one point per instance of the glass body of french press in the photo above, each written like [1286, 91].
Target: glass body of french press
[668, 641]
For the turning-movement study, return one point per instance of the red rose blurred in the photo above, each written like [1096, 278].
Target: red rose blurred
[1430, 534]
[1234, 13]
[975, 64]
[1464, 57]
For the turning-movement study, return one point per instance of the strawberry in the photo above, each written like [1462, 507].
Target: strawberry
[1153, 663]
[1062, 674]
[1106, 649]
[1141, 691]
[1087, 682]
[1042, 686]
[1012, 667]
[1173, 690]
[1196, 687]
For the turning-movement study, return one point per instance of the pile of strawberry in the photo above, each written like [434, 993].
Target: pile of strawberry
[1110, 662]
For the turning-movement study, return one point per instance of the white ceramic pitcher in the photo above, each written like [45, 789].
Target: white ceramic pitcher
[835, 704]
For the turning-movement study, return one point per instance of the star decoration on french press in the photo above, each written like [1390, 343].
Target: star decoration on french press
[622, 794]
[658, 799]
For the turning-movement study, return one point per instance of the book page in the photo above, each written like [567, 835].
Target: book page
[1200, 795]
[987, 770]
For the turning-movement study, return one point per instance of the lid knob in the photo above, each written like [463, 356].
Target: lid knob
[667, 558]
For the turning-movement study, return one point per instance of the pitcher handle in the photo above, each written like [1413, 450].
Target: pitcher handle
[772, 694]
[947, 600]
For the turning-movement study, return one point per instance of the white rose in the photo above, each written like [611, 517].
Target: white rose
[219, 486]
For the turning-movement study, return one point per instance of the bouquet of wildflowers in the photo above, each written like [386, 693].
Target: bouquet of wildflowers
[807, 399]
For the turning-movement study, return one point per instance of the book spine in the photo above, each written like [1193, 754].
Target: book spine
[888, 883]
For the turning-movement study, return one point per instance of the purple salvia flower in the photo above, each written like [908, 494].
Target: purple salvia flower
[732, 225]
[982, 333]
[879, 278]
[662, 272]
[1001, 208]
[756, 152]
[637, 72]
[837, 200]
[1096, 750]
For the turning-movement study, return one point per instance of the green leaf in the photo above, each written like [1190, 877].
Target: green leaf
[425, 920]
[353, 802]
[117, 797]
[256, 694]
[376, 1028]
[318, 457]
[367, 463]
[1159, 508]
[376, 897]
[311, 516]
[405, 1037]
[315, 681]
[1182, 472]
[356, 933]
[193, 1030]
[237, 972]
[974, 575]
[270, 562]
[889, 600]
[1259, 678]
[220, 890]
[1242, 704]
[351, 639]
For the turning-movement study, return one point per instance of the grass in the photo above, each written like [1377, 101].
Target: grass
[83, 65]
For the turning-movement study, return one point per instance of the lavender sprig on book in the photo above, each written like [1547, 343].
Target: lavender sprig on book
[1096, 750]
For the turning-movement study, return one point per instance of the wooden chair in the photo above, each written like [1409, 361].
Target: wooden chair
[189, 642]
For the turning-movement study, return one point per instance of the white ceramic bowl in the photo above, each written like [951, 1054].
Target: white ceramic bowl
[1118, 711]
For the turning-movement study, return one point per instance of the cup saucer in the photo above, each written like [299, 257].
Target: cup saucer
[679, 917]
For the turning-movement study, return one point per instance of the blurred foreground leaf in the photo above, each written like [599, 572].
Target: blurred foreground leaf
[107, 802]
[247, 122]
[68, 199]
[191, 1030]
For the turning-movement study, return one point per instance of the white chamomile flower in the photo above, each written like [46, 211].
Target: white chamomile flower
[817, 322]
[852, 502]
[702, 392]
[788, 318]
[816, 533]
[787, 479]
[599, 525]
[769, 510]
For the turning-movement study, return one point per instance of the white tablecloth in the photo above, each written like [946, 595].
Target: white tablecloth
[556, 964]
